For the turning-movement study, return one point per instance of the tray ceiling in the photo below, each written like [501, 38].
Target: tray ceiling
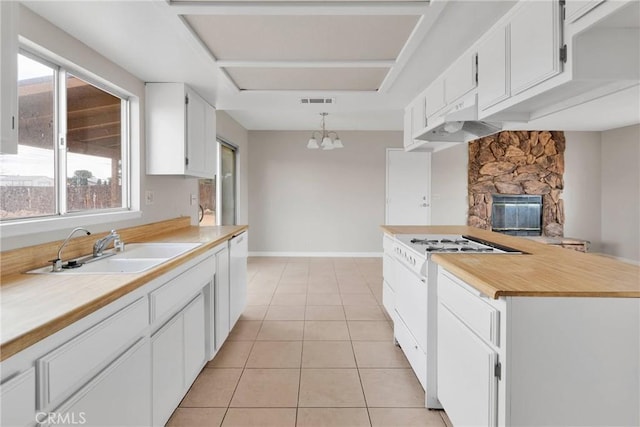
[256, 59]
[293, 52]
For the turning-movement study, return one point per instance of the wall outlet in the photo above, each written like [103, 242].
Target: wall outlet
[148, 197]
[194, 199]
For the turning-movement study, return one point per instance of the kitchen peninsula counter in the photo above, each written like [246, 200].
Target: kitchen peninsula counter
[35, 306]
[541, 271]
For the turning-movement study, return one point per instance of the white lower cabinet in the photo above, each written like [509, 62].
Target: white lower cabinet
[18, 398]
[118, 396]
[194, 339]
[63, 370]
[168, 377]
[536, 361]
[131, 362]
[467, 385]
[178, 354]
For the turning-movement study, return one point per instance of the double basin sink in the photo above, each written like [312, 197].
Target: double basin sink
[136, 258]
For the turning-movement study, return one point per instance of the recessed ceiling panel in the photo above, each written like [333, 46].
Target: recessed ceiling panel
[360, 79]
[303, 38]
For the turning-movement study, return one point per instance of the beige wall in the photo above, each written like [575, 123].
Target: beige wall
[449, 186]
[582, 187]
[621, 192]
[231, 131]
[317, 201]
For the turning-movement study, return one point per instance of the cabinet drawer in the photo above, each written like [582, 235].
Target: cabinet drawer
[479, 316]
[67, 367]
[18, 400]
[119, 396]
[175, 293]
[414, 353]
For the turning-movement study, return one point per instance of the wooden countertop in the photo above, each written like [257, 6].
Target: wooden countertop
[34, 306]
[545, 271]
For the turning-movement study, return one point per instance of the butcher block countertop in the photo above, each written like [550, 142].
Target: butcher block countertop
[545, 271]
[34, 306]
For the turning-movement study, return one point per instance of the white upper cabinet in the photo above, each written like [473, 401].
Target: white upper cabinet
[535, 36]
[418, 117]
[434, 95]
[9, 77]
[520, 53]
[460, 78]
[493, 63]
[407, 127]
[415, 120]
[181, 132]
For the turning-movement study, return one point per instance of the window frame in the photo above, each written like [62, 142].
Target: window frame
[62, 218]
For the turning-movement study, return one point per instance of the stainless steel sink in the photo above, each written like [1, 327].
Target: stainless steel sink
[136, 258]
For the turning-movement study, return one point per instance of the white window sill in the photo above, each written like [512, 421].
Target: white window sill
[41, 225]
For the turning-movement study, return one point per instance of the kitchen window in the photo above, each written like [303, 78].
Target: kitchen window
[73, 146]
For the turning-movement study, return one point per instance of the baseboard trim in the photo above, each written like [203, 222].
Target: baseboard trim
[318, 254]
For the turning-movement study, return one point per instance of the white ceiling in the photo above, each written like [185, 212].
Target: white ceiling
[256, 59]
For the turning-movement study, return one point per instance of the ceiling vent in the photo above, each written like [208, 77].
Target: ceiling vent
[317, 101]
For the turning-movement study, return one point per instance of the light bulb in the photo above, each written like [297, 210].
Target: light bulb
[313, 144]
[326, 143]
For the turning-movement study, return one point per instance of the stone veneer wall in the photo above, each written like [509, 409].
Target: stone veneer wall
[517, 162]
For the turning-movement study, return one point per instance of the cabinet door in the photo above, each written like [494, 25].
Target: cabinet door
[165, 116]
[535, 44]
[467, 386]
[460, 78]
[418, 117]
[408, 127]
[434, 97]
[194, 339]
[222, 323]
[211, 143]
[168, 372]
[119, 396]
[196, 134]
[238, 277]
[493, 66]
[18, 400]
[9, 77]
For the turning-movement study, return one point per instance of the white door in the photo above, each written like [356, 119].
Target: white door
[408, 187]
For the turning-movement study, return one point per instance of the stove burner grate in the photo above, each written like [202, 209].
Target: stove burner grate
[425, 241]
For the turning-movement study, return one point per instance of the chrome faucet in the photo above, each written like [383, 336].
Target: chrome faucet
[57, 263]
[101, 244]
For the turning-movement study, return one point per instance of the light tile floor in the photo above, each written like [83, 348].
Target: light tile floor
[313, 348]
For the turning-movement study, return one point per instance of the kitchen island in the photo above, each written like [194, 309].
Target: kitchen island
[544, 270]
[547, 337]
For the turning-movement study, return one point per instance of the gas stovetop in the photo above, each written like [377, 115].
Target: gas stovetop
[428, 244]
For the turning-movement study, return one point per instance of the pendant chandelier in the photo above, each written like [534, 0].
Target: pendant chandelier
[330, 139]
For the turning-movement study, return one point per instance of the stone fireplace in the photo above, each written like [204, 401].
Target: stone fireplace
[517, 163]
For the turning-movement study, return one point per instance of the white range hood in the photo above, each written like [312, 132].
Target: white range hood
[458, 124]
